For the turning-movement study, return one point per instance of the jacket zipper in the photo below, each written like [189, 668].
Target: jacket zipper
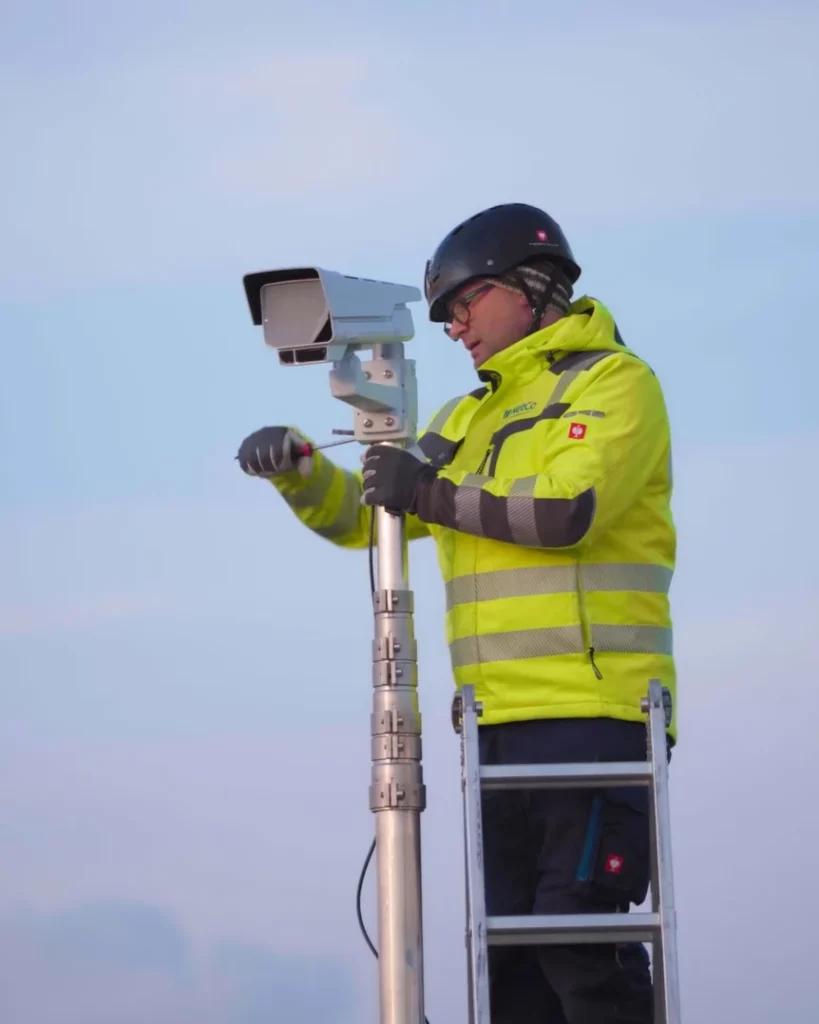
[584, 624]
[492, 380]
[583, 617]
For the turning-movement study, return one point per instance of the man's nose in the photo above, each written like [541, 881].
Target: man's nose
[457, 330]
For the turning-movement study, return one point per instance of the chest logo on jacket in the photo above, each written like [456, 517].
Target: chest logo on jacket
[517, 409]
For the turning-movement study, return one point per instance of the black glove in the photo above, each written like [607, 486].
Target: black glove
[392, 477]
[273, 450]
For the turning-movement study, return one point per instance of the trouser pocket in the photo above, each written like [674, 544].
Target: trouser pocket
[615, 862]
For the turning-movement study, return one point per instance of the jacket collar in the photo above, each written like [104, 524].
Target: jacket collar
[588, 325]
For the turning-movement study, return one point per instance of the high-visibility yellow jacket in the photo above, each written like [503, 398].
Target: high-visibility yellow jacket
[552, 518]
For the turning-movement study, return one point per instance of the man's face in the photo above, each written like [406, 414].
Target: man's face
[487, 319]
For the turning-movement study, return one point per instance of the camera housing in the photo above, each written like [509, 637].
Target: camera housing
[312, 315]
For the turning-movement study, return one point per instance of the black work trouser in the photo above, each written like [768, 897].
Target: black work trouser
[566, 852]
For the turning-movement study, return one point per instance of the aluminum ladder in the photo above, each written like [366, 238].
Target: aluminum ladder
[657, 927]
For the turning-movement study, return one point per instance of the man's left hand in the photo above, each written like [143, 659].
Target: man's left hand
[392, 476]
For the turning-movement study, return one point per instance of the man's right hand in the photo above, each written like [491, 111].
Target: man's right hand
[274, 450]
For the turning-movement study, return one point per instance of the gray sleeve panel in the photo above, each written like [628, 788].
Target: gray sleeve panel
[518, 518]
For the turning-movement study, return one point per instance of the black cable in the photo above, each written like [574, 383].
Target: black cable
[361, 924]
[372, 550]
[373, 950]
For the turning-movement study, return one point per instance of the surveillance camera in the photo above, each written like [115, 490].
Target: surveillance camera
[311, 315]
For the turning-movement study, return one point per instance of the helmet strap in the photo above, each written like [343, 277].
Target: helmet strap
[538, 304]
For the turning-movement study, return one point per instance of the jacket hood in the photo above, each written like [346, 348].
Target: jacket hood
[588, 325]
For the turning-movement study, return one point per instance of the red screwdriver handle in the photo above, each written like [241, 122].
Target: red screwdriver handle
[302, 451]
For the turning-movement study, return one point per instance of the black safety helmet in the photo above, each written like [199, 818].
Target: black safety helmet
[491, 243]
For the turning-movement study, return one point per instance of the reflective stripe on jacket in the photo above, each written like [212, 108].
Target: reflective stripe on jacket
[552, 517]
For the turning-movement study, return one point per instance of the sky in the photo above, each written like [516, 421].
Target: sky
[184, 670]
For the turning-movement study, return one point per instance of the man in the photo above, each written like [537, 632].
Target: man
[547, 490]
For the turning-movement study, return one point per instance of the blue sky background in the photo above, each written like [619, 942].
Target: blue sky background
[183, 759]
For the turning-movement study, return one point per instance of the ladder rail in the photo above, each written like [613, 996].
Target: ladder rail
[664, 958]
[476, 933]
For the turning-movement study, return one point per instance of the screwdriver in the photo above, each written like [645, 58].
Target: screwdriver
[306, 450]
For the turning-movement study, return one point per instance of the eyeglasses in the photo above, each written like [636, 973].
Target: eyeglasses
[460, 309]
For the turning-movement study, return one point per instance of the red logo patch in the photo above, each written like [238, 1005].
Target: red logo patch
[614, 864]
[577, 430]
[542, 236]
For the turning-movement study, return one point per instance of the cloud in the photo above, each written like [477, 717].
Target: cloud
[161, 165]
[77, 613]
[181, 158]
[183, 559]
[128, 963]
[295, 126]
[660, 116]
[740, 514]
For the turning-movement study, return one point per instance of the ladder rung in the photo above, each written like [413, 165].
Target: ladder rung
[570, 929]
[565, 776]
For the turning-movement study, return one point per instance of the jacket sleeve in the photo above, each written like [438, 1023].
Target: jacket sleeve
[328, 502]
[600, 452]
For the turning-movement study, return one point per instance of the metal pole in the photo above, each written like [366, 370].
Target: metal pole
[397, 792]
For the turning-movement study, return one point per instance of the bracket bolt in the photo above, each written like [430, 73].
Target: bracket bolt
[368, 423]
[390, 421]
